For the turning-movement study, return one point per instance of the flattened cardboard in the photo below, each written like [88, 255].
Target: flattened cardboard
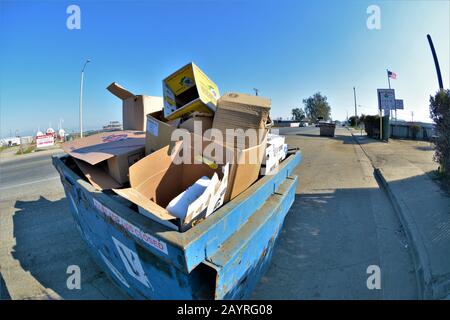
[189, 90]
[103, 146]
[97, 176]
[155, 180]
[135, 107]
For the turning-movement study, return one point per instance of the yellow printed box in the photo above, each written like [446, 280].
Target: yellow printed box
[189, 90]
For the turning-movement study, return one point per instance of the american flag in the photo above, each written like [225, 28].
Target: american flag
[392, 75]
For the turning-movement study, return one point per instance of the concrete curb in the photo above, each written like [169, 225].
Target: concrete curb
[418, 250]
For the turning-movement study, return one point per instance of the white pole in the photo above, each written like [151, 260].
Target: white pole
[81, 104]
[81, 98]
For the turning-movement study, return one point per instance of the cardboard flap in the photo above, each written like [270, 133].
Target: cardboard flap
[246, 99]
[152, 208]
[98, 177]
[152, 164]
[119, 91]
[99, 147]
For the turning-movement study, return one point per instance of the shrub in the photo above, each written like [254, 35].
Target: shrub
[440, 113]
[372, 126]
[415, 129]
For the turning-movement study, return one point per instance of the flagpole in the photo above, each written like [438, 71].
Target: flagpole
[389, 81]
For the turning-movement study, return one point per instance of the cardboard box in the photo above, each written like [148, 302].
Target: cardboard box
[97, 175]
[119, 150]
[245, 168]
[159, 130]
[189, 90]
[204, 121]
[245, 164]
[135, 107]
[276, 151]
[157, 179]
[238, 111]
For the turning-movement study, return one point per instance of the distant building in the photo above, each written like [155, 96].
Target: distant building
[8, 142]
[113, 126]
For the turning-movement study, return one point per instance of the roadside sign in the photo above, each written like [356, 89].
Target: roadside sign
[45, 140]
[399, 104]
[386, 99]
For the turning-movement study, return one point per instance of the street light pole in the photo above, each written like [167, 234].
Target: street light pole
[81, 97]
[356, 110]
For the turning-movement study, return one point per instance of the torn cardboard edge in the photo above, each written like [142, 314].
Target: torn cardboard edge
[103, 146]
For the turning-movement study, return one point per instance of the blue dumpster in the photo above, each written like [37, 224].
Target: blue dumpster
[223, 257]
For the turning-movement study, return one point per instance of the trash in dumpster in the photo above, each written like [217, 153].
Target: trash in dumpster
[276, 151]
[240, 111]
[159, 130]
[119, 149]
[179, 205]
[135, 107]
[97, 175]
[156, 179]
[181, 223]
[204, 122]
[246, 166]
[188, 90]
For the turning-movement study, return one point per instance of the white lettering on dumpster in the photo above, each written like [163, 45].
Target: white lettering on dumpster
[132, 263]
[154, 242]
[114, 270]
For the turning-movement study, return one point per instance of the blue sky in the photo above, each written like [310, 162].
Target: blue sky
[287, 49]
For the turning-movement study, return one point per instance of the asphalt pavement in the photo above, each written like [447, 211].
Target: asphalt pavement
[27, 174]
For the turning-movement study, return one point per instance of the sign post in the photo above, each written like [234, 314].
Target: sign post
[386, 102]
[398, 105]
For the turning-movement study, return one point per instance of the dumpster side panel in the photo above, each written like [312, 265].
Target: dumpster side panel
[243, 259]
[207, 237]
[132, 264]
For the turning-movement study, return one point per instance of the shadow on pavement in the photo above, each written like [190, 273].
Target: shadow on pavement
[327, 242]
[4, 294]
[346, 139]
[47, 242]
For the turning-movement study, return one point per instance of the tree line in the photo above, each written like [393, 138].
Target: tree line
[316, 107]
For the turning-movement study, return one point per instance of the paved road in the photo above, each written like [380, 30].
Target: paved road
[27, 174]
[341, 222]
[38, 237]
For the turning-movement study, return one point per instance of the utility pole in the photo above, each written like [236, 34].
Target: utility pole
[356, 110]
[256, 91]
[81, 98]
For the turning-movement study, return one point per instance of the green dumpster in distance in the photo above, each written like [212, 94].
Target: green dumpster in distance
[327, 129]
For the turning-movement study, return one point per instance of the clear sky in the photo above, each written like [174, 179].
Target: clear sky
[286, 49]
